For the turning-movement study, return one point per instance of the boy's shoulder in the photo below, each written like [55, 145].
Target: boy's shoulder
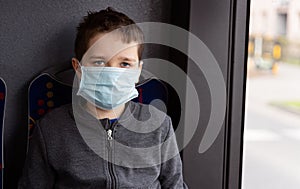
[146, 111]
[149, 120]
[57, 117]
[59, 113]
[151, 117]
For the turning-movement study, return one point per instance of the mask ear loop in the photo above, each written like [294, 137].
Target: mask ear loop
[79, 70]
[80, 65]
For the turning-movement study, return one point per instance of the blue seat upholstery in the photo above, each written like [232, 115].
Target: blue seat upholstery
[46, 93]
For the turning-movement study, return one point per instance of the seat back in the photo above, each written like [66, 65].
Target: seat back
[161, 95]
[47, 92]
[152, 91]
[2, 114]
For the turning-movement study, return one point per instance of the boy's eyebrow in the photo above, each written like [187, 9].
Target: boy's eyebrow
[97, 57]
[124, 58]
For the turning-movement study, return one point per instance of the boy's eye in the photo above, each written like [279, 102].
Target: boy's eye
[125, 64]
[99, 63]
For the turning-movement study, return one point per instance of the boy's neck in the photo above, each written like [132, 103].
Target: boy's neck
[101, 113]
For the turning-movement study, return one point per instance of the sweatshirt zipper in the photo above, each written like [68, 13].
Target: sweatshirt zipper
[110, 164]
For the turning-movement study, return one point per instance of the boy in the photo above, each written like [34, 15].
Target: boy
[104, 140]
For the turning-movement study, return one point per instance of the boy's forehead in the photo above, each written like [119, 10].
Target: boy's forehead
[108, 45]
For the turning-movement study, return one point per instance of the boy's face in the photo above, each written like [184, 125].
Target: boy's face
[110, 51]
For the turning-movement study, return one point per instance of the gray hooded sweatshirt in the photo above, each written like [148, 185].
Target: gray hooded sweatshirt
[71, 149]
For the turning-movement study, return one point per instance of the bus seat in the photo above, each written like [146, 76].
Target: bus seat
[2, 114]
[52, 89]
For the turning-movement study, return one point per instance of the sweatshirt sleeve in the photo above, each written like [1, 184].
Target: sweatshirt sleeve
[37, 173]
[171, 175]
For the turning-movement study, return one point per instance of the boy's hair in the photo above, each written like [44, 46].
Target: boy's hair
[106, 21]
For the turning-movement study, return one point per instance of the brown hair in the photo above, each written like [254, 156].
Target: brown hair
[106, 20]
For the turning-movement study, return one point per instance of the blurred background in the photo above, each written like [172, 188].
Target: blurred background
[272, 118]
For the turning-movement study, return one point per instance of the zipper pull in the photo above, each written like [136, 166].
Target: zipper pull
[109, 134]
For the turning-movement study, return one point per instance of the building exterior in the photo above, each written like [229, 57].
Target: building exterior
[274, 22]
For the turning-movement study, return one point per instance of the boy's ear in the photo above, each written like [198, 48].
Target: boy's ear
[141, 64]
[75, 64]
[140, 68]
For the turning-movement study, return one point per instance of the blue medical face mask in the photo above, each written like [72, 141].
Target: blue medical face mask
[108, 87]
